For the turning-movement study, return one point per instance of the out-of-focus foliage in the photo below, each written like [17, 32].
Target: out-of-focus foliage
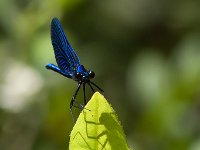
[146, 56]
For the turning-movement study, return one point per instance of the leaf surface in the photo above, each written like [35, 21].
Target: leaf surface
[97, 128]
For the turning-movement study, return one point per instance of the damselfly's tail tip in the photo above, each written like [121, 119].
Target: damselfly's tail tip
[47, 66]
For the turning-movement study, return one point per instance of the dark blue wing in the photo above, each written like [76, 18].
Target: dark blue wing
[66, 57]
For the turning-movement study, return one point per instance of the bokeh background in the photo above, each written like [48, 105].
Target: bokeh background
[146, 56]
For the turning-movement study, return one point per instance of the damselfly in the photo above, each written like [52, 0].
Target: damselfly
[69, 63]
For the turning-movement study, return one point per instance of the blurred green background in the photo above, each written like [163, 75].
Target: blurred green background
[146, 56]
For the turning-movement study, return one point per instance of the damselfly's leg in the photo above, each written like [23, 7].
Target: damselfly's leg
[91, 87]
[84, 93]
[96, 86]
[73, 100]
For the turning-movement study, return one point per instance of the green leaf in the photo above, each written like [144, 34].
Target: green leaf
[97, 128]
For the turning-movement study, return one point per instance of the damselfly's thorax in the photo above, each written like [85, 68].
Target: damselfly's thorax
[83, 74]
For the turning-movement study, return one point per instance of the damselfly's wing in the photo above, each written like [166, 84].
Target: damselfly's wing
[66, 57]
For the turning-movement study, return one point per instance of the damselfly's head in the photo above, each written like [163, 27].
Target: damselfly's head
[83, 75]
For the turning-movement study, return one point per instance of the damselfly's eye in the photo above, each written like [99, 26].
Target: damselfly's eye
[91, 74]
[78, 75]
